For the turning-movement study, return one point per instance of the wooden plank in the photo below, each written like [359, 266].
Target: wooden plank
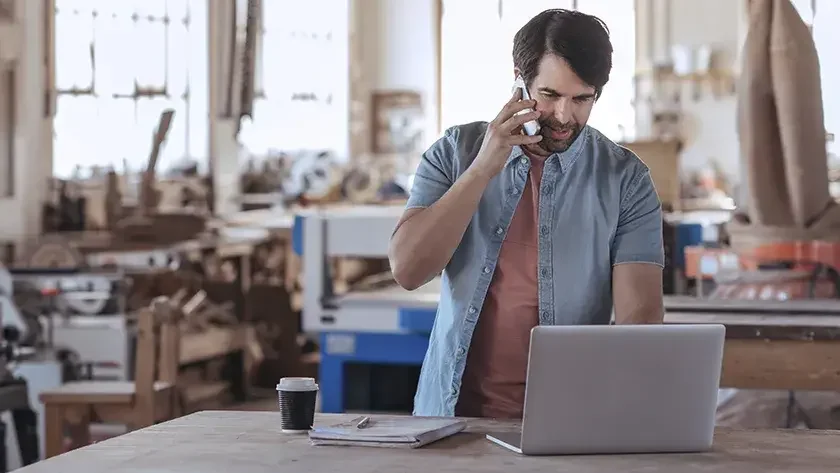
[226, 441]
[279, 223]
[212, 342]
[765, 327]
[791, 307]
[781, 364]
[754, 320]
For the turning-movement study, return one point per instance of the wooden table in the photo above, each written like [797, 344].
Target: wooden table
[229, 441]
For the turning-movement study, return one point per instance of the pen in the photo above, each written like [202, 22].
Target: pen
[363, 423]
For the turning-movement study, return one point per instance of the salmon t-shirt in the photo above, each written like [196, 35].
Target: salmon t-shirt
[493, 384]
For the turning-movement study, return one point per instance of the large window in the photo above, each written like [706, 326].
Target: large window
[119, 64]
[477, 69]
[303, 80]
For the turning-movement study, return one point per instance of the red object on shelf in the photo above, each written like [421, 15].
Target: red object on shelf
[784, 271]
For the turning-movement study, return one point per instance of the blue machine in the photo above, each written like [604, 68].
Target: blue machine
[389, 326]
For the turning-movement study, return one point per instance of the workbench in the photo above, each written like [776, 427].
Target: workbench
[771, 345]
[227, 441]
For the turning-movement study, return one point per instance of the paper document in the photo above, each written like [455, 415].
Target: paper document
[407, 431]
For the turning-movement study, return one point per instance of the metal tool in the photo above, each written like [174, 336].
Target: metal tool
[363, 423]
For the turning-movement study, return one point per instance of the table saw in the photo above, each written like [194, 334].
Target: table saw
[382, 327]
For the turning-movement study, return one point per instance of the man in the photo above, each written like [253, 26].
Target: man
[550, 229]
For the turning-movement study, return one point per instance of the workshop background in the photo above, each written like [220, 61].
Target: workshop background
[223, 176]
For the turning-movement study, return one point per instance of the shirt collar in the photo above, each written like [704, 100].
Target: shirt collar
[566, 158]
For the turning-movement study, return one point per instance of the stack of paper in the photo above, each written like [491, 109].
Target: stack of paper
[394, 432]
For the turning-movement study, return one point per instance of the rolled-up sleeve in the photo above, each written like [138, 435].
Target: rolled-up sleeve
[435, 173]
[638, 237]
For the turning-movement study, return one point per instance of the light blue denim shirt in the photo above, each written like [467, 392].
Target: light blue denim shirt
[597, 208]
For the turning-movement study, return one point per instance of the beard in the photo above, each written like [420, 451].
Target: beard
[552, 145]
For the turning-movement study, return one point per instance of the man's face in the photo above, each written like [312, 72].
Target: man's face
[564, 102]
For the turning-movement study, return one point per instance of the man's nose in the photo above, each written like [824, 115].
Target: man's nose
[563, 110]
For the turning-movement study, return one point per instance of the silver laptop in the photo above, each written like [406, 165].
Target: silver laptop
[619, 389]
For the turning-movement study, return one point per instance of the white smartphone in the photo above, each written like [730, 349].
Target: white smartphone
[532, 127]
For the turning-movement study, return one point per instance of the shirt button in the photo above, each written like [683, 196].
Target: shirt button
[461, 351]
[486, 269]
[544, 314]
[544, 272]
[515, 191]
[523, 160]
[544, 230]
[473, 310]
[499, 230]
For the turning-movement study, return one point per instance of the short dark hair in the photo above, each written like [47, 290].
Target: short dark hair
[581, 40]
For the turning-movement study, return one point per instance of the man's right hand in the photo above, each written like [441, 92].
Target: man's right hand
[505, 132]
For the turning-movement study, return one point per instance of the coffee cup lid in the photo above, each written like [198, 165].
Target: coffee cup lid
[297, 384]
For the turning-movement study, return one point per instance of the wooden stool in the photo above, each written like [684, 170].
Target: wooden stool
[136, 404]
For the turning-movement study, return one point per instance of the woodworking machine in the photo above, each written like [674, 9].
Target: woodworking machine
[23, 359]
[9, 313]
[84, 312]
[354, 232]
[387, 326]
